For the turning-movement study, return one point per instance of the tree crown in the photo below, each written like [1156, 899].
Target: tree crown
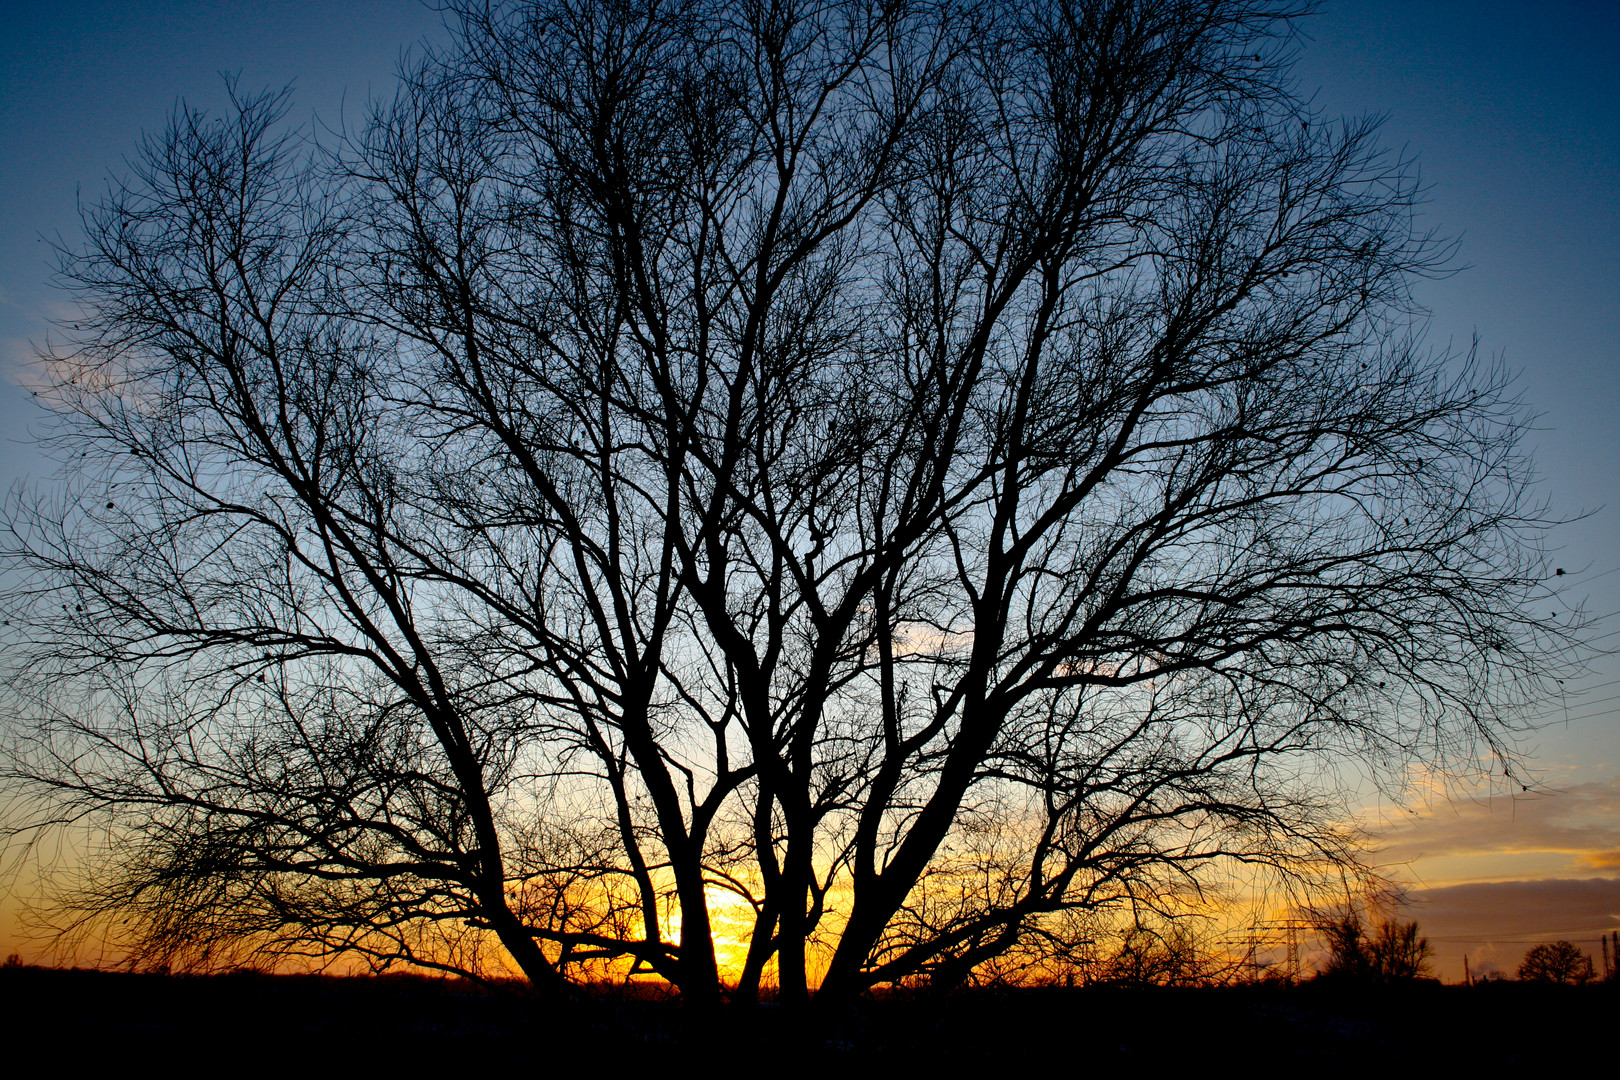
[840, 493]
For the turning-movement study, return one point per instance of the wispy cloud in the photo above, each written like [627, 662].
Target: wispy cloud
[1564, 832]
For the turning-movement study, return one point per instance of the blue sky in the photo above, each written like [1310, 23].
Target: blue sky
[1511, 110]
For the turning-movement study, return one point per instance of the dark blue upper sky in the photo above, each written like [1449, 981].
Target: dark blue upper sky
[1511, 110]
[82, 80]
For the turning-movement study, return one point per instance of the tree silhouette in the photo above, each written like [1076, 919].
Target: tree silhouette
[1393, 952]
[757, 492]
[1560, 962]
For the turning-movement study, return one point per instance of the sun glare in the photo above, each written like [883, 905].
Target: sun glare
[731, 921]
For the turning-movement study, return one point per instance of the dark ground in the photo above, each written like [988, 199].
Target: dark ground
[257, 1023]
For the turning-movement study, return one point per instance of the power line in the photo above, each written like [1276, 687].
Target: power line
[1518, 939]
[1535, 935]
[1598, 701]
[1554, 716]
[1589, 716]
[1595, 686]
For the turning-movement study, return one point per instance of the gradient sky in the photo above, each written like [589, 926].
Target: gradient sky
[1511, 111]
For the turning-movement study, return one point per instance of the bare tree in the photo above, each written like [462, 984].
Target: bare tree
[760, 491]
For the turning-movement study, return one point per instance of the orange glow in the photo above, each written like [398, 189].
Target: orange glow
[731, 922]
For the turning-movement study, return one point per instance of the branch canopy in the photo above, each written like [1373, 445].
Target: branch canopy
[824, 494]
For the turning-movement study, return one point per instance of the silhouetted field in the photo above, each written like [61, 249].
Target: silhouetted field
[256, 1022]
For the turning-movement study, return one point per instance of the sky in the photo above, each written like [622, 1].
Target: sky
[1511, 112]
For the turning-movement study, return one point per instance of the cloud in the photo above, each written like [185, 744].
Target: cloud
[1569, 831]
[15, 355]
[1502, 910]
